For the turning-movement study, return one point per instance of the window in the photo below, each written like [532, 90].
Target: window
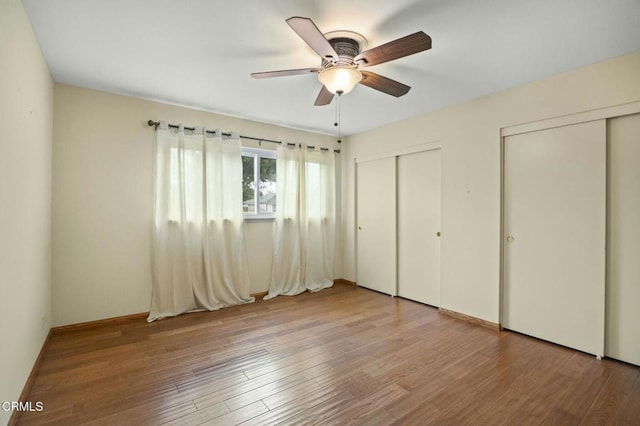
[258, 183]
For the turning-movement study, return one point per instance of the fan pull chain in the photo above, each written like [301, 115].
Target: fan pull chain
[338, 122]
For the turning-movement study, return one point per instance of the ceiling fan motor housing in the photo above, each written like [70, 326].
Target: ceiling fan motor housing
[347, 44]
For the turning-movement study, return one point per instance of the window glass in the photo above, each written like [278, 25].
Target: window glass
[258, 182]
[248, 183]
[267, 185]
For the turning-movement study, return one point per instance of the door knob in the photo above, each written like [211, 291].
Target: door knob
[510, 239]
[359, 228]
[438, 234]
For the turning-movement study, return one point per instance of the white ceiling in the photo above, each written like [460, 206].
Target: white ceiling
[199, 53]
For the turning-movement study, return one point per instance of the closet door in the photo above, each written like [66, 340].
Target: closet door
[554, 241]
[623, 240]
[376, 224]
[419, 226]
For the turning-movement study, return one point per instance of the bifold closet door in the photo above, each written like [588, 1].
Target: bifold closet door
[418, 190]
[623, 240]
[376, 224]
[554, 240]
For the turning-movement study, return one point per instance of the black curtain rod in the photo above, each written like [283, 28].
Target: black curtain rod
[155, 124]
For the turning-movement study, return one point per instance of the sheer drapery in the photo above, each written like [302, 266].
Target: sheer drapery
[305, 221]
[199, 258]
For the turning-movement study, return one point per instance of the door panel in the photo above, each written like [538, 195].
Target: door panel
[376, 224]
[623, 240]
[418, 225]
[554, 241]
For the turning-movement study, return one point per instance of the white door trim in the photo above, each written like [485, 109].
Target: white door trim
[402, 151]
[565, 120]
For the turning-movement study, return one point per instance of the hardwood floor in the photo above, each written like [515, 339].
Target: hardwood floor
[345, 355]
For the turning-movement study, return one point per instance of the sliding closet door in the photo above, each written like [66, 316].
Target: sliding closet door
[554, 241]
[376, 224]
[623, 240]
[419, 226]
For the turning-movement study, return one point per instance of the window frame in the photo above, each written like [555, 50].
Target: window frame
[257, 154]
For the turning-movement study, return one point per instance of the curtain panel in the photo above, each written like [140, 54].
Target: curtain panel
[199, 259]
[305, 221]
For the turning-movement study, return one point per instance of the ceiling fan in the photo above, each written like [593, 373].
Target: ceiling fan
[343, 57]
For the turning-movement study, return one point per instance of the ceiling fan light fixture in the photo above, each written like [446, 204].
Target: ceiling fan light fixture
[340, 79]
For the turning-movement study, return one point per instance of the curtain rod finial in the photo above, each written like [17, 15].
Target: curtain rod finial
[152, 123]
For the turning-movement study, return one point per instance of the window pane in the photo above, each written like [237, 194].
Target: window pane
[248, 184]
[267, 185]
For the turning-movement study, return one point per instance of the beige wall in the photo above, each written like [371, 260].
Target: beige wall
[470, 137]
[26, 114]
[102, 200]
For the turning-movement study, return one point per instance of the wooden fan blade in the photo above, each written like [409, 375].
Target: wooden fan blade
[284, 73]
[395, 49]
[384, 84]
[310, 33]
[324, 97]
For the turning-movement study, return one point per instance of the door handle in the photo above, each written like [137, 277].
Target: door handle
[359, 228]
[438, 234]
[510, 239]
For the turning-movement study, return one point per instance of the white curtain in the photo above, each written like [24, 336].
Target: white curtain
[305, 221]
[199, 259]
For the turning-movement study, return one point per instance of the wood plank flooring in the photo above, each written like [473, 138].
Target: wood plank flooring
[344, 355]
